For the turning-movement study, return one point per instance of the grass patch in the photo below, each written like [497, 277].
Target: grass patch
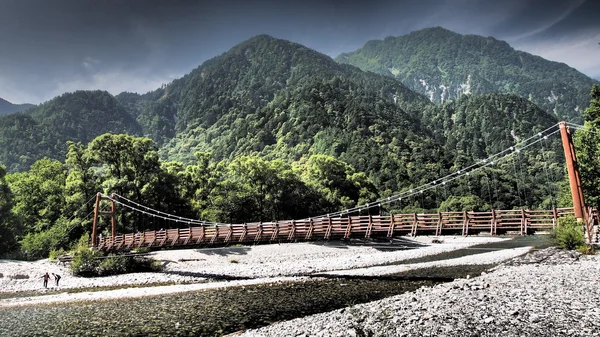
[569, 233]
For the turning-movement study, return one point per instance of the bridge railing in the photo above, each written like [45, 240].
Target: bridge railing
[494, 222]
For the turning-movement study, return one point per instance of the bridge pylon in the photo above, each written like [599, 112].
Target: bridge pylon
[97, 213]
[572, 168]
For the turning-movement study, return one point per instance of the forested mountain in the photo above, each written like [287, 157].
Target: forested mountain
[43, 130]
[443, 65]
[278, 100]
[7, 107]
[268, 130]
[477, 127]
[282, 100]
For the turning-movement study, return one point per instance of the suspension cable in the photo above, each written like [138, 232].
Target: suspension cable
[455, 175]
[507, 153]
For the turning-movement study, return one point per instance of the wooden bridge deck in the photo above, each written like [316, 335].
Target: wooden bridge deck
[368, 226]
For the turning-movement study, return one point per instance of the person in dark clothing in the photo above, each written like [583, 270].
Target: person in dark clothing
[46, 277]
[56, 278]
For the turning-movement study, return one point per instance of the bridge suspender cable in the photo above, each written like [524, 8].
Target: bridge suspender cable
[515, 149]
[465, 172]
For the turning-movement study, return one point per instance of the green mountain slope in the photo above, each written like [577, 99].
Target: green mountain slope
[43, 131]
[282, 100]
[444, 65]
[7, 107]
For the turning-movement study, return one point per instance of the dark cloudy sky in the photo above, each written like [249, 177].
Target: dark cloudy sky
[48, 47]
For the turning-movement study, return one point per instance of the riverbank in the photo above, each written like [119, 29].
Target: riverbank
[239, 262]
[546, 293]
[224, 299]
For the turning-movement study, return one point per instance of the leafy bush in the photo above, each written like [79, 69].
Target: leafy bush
[113, 265]
[38, 245]
[587, 250]
[86, 260]
[568, 234]
[54, 254]
[141, 250]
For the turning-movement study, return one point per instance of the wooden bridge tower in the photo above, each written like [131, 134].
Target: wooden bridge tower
[572, 168]
[112, 214]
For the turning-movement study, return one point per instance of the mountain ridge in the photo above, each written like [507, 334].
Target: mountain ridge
[443, 65]
[7, 107]
[272, 98]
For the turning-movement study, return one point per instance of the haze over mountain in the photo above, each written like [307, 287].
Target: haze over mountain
[444, 65]
[48, 48]
[7, 107]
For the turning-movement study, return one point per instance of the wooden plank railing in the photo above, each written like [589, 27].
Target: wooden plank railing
[494, 222]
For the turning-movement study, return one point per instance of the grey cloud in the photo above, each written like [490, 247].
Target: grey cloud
[49, 46]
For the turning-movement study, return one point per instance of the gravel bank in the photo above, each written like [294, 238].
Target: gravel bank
[263, 261]
[546, 293]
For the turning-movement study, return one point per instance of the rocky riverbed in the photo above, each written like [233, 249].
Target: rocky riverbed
[224, 290]
[238, 262]
[546, 293]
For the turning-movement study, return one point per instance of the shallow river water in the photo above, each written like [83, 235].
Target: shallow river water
[222, 311]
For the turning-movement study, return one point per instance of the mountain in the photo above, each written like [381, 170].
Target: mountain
[7, 107]
[444, 65]
[43, 130]
[282, 100]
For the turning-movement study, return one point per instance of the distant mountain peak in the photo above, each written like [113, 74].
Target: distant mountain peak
[443, 65]
[7, 107]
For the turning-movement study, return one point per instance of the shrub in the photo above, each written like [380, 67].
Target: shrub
[39, 245]
[113, 265]
[587, 250]
[88, 262]
[141, 250]
[54, 254]
[85, 260]
[568, 234]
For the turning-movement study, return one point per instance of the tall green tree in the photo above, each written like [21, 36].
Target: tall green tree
[38, 206]
[9, 228]
[38, 194]
[340, 184]
[134, 171]
[587, 145]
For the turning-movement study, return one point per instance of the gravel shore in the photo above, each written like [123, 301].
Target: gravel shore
[243, 262]
[547, 293]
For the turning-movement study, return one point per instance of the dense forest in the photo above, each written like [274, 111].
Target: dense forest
[269, 130]
[443, 65]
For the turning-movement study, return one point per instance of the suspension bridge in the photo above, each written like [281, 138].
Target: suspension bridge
[344, 225]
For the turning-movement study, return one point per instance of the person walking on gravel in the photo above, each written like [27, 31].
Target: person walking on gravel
[46, 277]
[56, 278]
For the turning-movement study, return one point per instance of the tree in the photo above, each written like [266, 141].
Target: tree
[338, 182]
[587, 145]
[134, 171]
[9, 228]
[38, 194]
